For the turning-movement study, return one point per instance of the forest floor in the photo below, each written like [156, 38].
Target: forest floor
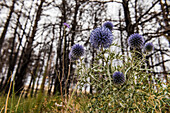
[43, 103]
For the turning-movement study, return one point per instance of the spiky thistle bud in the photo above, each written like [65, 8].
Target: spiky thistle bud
[118, 78]
[148, 47]
[76, 52]
[108, 25]
[136, 41]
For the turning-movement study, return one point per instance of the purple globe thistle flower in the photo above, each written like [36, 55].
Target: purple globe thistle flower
[67, 25]
[71, 57]
[76, 52]
[101, 36]
[136, 41]
[118, 78]
[148, 47]
[108, 25]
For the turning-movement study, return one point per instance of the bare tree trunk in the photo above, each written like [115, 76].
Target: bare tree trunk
[1, 83]
[29, 86]
[52, 78]
[72, 42]
[129, 26]
[33, 77]
[26, 57]
[148, 67]
[59, 60]
[93, 50]
[48, 62]
[121, 36]
[58, 64]
[20, 42]
[50, 85]
[12, 57]
[165, 13]
[163, 65]
[6, 25]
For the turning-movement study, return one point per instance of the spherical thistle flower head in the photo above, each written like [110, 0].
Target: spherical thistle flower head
[148, 47]
[136, 41]
[118, 78]
[71, 57]
[108, 25]
[76, 52]
[101, 36]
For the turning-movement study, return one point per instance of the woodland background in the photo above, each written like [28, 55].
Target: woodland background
[32, 38]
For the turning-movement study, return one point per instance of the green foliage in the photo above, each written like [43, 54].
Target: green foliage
[31, 104]
[141, 91]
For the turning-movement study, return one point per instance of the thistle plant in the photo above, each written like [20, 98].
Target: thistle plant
[112, 91]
